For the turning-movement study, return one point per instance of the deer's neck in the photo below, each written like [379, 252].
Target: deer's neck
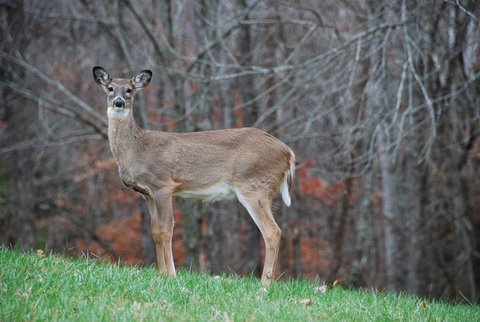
[123, 134]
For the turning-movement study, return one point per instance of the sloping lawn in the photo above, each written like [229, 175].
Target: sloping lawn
[39, 287]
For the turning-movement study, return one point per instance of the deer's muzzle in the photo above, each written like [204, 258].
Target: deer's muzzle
[119, 102]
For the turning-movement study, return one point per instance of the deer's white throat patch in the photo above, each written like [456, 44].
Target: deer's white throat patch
[117, 112]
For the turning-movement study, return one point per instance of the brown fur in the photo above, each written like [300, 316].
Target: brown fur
[160, 165]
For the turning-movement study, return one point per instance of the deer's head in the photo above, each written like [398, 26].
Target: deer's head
[120, 91]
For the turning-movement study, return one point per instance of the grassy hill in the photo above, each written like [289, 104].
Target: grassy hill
[39, 287]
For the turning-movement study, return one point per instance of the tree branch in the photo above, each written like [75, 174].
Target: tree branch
[57, 108]
[307, 64]
[150, 34]
[69, 95]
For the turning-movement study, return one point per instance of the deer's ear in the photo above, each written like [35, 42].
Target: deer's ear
[142, 79]
[101, 75]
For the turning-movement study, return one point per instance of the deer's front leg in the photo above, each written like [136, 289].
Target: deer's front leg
[154, 226]
[162, 232]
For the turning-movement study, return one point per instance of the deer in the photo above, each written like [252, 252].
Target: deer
[243, 163]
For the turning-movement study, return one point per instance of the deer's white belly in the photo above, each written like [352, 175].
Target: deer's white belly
[219, 191]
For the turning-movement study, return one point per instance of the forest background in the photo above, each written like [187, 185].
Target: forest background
[378, 99]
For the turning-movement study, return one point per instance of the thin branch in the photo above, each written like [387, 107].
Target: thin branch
[274, 21]
[210, 46]
[125, 48]
[56, 107]
[41, 143]
[150, 34]
[462, 8]
[318, 17]
[215, 43]
[307, 64]
[273, 108]
[419, 81]
[37, 13]
[69, 95]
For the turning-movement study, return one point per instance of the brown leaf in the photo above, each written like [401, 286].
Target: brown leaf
[424, 305]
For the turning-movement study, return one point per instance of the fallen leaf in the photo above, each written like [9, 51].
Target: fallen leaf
[40, 252]
[307, 302]
[261, 293]
[424, 305]
[321, 289]
[136, 306]
[227, 318]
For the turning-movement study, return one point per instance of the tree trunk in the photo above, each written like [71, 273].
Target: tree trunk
[215, 240]
[192, 232]
[252, 237]
[390, 217]
[19, 129]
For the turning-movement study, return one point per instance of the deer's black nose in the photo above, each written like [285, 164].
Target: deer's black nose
[118, 102]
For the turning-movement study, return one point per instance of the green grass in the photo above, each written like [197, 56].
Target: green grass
[37, 287]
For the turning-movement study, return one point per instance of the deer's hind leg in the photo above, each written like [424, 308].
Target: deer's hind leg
[259, 206]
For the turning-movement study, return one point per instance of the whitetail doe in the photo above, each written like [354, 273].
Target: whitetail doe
[245, 163]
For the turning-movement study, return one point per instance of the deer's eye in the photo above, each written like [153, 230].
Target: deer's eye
[110, 89]
[129, 90]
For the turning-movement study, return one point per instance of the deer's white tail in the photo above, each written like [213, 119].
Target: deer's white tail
[287, 181]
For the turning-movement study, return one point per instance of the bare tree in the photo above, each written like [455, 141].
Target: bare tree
[378, 100]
